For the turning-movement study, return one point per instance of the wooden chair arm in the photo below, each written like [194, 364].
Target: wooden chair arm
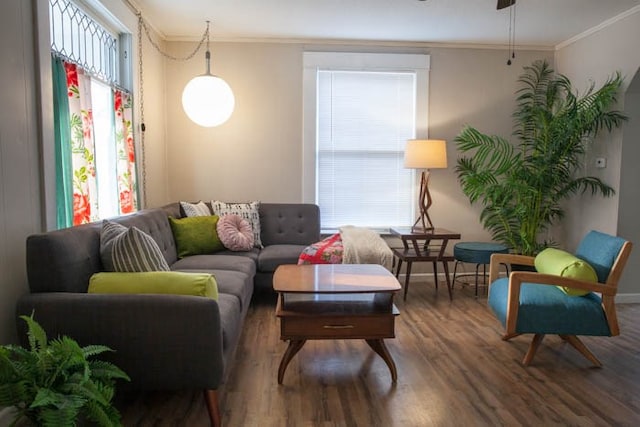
[517, 278]
[553, 280]
[497, 259]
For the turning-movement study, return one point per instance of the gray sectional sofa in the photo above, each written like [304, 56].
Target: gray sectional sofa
[163, 342]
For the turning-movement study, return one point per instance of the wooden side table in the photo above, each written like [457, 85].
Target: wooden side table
[335, 301]
[429, 246]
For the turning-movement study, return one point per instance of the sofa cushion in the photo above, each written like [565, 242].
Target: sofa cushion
[216, 262]
[231, 320]
[289, 223]
[196, 235]
[274, 255]
[233, 283]
[154, 282]
[235, 233]
[248, 211]
[195, 209]
[561, 263]
[129, 249]
[252, 254]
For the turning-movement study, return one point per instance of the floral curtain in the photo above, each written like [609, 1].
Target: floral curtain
[75, 148]
[126, 157]
[85, 192]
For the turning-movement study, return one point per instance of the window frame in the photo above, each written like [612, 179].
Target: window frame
[348, 61]
[118, 17]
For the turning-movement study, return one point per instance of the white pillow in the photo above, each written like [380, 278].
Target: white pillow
[248, 211]
[195, 209]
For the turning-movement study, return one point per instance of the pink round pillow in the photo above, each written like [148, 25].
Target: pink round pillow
[235, 233]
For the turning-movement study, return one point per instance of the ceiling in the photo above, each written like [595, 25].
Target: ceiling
[539, 23]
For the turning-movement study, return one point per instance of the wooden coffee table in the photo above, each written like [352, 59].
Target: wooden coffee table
[336, 301]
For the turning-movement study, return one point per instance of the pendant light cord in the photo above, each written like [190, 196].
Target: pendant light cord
[143, 128]
[205, 36]
[142, 27]
[512, 34]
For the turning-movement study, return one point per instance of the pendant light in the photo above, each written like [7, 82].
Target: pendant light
[207, 99]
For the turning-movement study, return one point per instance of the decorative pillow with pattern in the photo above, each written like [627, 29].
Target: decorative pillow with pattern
[125, 249]
[235, 233]
[327, 251]
[248, 211]
[195, 209]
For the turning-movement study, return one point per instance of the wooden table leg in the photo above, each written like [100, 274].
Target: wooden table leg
[445, 266]
[435, 273]
[294, 347]
[399, 266]
[407, 277]
[379, 347]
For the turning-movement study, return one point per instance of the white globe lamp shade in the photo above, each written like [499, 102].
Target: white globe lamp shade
[208, 100]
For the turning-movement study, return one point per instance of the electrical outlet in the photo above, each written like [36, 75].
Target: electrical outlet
[601, 162]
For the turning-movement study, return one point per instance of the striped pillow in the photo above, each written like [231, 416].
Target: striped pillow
[125, 249]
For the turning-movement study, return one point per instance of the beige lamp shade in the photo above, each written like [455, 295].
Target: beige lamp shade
[425, 154]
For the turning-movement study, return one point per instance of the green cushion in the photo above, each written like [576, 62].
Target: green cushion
[196, 235]
[154, 282]
[561, 263]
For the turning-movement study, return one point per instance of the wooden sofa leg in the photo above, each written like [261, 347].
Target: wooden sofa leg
[579, 345]
[535, 343]
[213, 406]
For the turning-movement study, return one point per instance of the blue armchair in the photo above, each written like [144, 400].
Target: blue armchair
[532, 302]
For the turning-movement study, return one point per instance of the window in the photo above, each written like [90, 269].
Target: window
[95, 155]
[359, 111]
[78, 37]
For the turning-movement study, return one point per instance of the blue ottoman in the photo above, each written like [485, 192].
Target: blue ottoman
[478, 253]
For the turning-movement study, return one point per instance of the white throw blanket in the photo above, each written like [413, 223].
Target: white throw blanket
[364, 246]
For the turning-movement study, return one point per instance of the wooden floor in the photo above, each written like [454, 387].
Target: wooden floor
[453, 370]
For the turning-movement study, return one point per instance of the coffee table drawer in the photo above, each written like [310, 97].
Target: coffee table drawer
[327, 327]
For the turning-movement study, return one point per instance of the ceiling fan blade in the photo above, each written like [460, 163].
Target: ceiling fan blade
[505, 3]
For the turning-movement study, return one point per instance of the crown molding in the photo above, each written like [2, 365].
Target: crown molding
[598, 27]
[355, 42]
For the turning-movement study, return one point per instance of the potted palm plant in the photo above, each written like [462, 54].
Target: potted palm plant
[57, 382]
[521, 185]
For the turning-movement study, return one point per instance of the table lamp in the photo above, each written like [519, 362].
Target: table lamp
[425, 154]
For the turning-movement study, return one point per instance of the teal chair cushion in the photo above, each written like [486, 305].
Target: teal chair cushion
[600, 250]
[547, 310]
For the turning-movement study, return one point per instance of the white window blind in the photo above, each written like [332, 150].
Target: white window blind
[364, 119]
[359, 109]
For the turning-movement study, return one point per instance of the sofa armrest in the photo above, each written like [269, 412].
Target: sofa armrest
[162, 342]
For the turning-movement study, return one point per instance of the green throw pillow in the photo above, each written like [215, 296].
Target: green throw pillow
[561, 263]
[154, 282]
[196, 235]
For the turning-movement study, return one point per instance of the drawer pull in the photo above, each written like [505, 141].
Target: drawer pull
[338, 326]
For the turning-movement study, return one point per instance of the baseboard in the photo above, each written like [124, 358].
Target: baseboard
[627, 298]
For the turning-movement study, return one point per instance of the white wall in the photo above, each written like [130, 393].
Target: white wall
[629, 194]
[257, 154]
[20, 212]
[22, 173]
[595, 58]
[155, 136]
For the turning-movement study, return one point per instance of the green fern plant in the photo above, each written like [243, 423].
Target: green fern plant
[55, 382]
[521, 185]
